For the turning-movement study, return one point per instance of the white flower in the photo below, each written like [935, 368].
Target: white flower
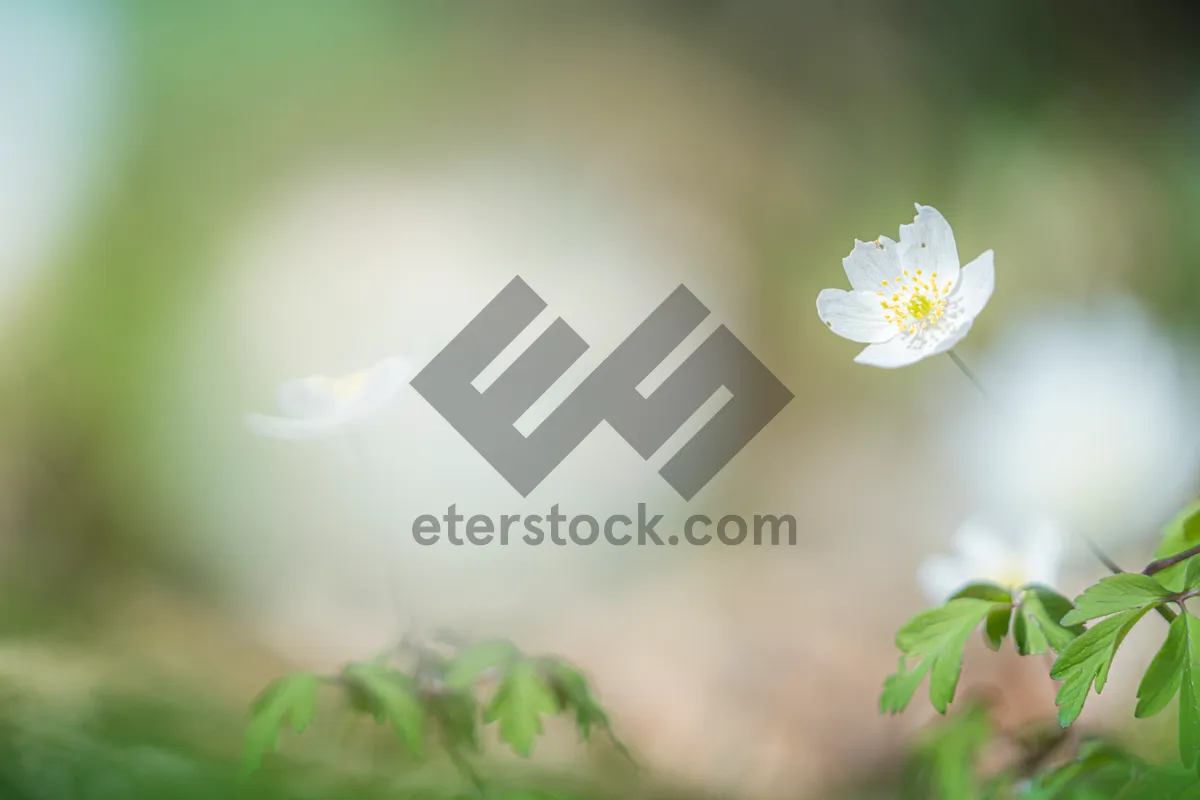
[1093, 424]
[983, 556]
[319, 405]
[910, 299]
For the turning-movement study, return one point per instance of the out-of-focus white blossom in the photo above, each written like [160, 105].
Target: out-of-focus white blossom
[910, 299]
[1093, 423]
[983, 555]
[318, 405]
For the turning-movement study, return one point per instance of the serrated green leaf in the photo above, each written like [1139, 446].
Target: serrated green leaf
[1087, 659]
[1040, 629]
[1161, 682]
[1116, 593]
[292, 700]
[391, 698]
[996, 625]
[476, 659]
[518, 705]
[939, 635]
[899, 688]
[1191, 575]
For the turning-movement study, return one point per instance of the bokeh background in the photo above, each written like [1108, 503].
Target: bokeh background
[200, 201]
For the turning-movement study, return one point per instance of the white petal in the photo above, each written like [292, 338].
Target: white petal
[941, 576]
[928, 245]
[980, 547]
[891, 354]
[871, 263]
[1042, 556]
[307, 398]
[975, 285]
[287, 428]
[379, 388]
[949, 337]
[857, 316]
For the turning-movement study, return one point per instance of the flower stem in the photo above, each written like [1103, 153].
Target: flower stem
[962, 365]
[1100, 555]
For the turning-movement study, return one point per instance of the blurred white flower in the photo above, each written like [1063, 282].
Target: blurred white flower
[1093, 424]
[318, 405]
[982, 555]
[910, 299]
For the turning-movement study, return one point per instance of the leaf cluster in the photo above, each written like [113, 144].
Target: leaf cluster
[438, 696]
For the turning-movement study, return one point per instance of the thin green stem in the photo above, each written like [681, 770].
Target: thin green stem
[962, 365]
[1101, 555]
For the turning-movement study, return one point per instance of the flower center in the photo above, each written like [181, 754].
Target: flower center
[1011, 578]
[919, 306]
[914, 302]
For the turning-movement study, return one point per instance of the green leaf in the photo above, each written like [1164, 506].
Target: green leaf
[1114, 594]
[938, 636]
[456, 715]
[1191, 577]
[1037, 626]
[997, 624]
[952, 750]
[1086, 661]
[1182, 533]
[984, 591]
[519, 703]
[290, 699]
[1161, 682]
[476, 659]
[390, 697]
[571, 691]
[1176, 669]
[899, 688]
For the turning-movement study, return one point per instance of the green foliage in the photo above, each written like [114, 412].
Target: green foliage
[519, 704]
[1116, 593]
[1086, 661]
[948, 753]
[1176, 670]
[440, 694]
[1039, 622]
[289, 700]
[391, 698]
[456, 716]
[932, 642]
[1182, 533]
[934, 639]
[475, 660]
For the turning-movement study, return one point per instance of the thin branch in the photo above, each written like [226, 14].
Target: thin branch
[1109, 564]
[1170, 561]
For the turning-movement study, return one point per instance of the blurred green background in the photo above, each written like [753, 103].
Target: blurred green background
[156, 285]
